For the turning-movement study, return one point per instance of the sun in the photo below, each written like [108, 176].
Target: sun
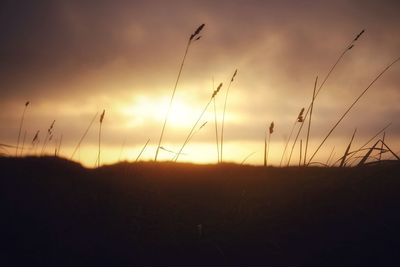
[153, 110]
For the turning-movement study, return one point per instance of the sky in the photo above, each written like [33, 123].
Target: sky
[72, 59]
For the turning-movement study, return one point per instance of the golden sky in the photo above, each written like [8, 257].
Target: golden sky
[72, 59]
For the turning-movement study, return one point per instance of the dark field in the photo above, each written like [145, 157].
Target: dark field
[57, 213]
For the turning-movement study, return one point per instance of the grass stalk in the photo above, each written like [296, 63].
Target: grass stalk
[141, 151]
[84, 135]
[216, 129]
[366, 143]
[333, 67]
[198, 120]
[193, 37]
[23, 144]
[309, 120]
[298, 119]
[383, 140]
[271, 130]
[352, 105]
[247, 157]
[101, 123]
[59, 145]
[20, 126]
[223, 114]
[216, 123]
[343, 162]
[48, 135]
[330, 157]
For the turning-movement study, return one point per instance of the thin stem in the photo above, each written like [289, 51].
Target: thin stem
[366, 143]
[247, 157]
[191, 131]
[216, 129]
[83, 136]
[351, 106]
[268, 146]
[343, 162]
[223, 118]
[141, 151]
[20, 128]
[172, 98]
[98, 156]
[59, 145]
[330, 156]
[383, 140]
[287, 142]
[348, 47]
[23, 144]
[309, 121]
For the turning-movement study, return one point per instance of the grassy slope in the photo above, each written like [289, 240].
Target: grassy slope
[57, 213]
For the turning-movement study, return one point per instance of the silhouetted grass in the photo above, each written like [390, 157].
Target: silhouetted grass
[300, 119]
[193, 37]
[215, 92]
[101, 123]
[20, 126]
[352, 105]
[347, 48]
[223, 113]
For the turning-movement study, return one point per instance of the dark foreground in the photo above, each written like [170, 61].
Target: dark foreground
[57, 213]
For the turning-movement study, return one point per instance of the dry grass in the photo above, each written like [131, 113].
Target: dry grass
[101, 123]
[352, 105]
[214, 94]
[20, 126]
[193, 37]
[300, 119]
[223, 113]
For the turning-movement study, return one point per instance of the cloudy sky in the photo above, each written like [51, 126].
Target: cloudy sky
[72, 59]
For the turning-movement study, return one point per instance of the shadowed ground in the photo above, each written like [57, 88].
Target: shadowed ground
[57, 213]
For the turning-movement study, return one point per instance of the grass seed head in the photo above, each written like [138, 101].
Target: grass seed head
[36, 137]
[271, 128]
[216, 91]
[197, 32]
[234, 75]
[358, 35]
[300, 116]
[204, 124]
[50, 130]
[102, 116]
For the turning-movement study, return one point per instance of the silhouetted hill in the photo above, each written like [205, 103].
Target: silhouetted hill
[58, 213]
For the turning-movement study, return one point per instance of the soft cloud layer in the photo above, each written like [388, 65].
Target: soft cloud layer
[72, 59]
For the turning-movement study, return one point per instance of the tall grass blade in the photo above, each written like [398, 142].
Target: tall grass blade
[191, 39]
[198, 120]
[338, 60]
[309, 121]
[352, 105]
[298, 119]
[223, 113]
[84, 135]
[342, 163]
[383, 140]
[20, 126]
[101, 123]
[141, 151]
